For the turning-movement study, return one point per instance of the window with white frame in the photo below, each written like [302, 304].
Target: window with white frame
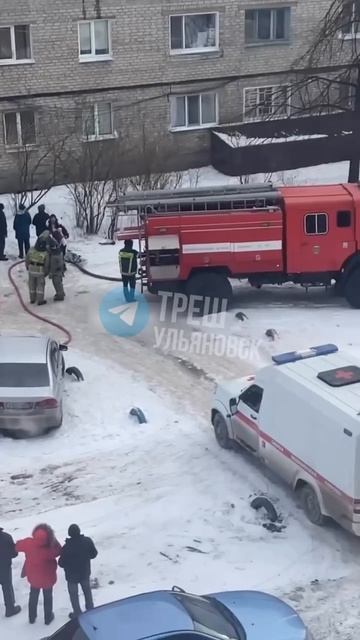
[19, 127]
[350, 19]
[194, 32]
[15, 43]
[98, 121]
[261, 103]
[94, 40]
[194, 111]
[267, 25]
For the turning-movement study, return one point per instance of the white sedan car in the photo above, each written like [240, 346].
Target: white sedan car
[32, 372]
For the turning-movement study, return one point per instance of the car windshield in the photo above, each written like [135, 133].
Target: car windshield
[23, 374]
[211, 617]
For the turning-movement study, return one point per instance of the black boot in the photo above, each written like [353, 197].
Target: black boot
[13, 612]
[49, 619]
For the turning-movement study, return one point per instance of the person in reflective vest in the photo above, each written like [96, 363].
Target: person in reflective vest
[37, 264]
[56, 269]
[128, 259]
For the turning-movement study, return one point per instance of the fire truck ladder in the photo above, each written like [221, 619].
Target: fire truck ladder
[133, 209]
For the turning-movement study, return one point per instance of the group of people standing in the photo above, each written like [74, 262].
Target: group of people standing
[46, 258]
[43, 554]
[42, 221]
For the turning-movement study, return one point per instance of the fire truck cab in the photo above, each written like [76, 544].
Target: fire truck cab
[195, 240]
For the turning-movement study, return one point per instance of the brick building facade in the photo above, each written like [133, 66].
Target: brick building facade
[138, 83]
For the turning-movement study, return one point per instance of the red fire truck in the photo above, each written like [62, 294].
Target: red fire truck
[195, 240]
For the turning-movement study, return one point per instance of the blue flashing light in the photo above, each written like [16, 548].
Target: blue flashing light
[294, 356]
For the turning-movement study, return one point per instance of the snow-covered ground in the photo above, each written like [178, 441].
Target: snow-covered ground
[163, 503]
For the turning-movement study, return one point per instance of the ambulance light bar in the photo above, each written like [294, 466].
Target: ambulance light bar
[294, 356]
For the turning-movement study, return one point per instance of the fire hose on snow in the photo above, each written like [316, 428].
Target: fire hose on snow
[32, 313]
[73, 260]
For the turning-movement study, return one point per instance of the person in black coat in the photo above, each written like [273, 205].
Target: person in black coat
[3, 232]
[40, 219]
[22, 222]
[75, 559]
[7, 553]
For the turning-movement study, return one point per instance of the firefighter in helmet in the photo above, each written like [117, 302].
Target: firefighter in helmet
[56, 268]
[37, 265]
[128, 262]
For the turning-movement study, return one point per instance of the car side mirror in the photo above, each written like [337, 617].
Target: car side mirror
[233, 406]
[63, 347]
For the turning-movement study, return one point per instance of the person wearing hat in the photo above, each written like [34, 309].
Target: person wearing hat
[3, 232]
[128, 262]
[56, 268]
[37, 265]
[40, 219]
[7, 553]
[22, 222]
[75, 559]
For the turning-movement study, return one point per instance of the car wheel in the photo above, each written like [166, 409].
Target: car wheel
[221, 432]
[74, 371]
[311, 505]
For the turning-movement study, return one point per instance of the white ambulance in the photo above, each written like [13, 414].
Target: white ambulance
[301, 417]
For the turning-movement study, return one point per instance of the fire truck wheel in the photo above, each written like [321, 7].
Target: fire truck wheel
[311, 505]
[352, 288]
[221, 432]
[211, 285]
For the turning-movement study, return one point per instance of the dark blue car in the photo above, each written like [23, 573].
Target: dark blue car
[176, 615]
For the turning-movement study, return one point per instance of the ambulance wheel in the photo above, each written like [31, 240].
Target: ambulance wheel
[221, 432]
[214, 286]
[311, 505]
[352, 288]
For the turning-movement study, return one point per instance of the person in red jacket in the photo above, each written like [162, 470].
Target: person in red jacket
[41, 551]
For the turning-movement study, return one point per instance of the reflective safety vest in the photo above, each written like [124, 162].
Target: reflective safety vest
[36, 260]
[127, 262]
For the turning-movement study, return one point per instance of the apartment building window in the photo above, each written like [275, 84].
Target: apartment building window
[94, 40]
[350, 19]
[267, 25]
[15, 43]
[194, 111]
[19, 128]
[98, 121]
[195, 32]
[261, 103]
